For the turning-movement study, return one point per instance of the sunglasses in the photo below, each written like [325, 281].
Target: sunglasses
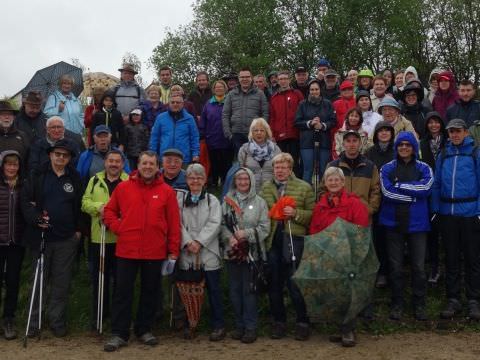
[61, 154]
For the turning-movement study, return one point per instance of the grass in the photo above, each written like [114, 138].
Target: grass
[80, 299]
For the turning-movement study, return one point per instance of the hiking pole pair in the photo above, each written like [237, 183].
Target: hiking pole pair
[101, 280]
[38, 279]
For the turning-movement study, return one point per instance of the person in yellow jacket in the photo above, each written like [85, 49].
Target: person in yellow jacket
[98, 192]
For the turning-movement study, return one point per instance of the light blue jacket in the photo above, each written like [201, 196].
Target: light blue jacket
[72, 114]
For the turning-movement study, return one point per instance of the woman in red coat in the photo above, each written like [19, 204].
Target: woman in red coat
[337, 202]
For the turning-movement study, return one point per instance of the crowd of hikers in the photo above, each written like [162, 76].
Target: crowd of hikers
[135, 178]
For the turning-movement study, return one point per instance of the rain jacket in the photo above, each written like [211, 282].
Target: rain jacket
[96, 195]
[406, 188]
[302, 192]
[211, 127]
[283, 107]
[426, 153]
[72, 114]
[145, 218]
[181, 134]
[467, 111]
[200, 222]
[34, 128]
[475, 132]
[149, 113]
[254, 216]
[350, 208]
[443, 99]
[456, 190]
[375, 154]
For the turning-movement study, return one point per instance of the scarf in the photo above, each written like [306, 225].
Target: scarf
[108, 115]
[219, 99]
[262, 152]
[435, 144]
[315, 99]
[193, 199]
[383, 146]
[333, 199]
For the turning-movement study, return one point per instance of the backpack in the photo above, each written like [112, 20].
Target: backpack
[473, 154]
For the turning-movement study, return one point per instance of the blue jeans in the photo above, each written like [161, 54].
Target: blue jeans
[281, 275]
[243, 300]
[417, 243]
[323, 157]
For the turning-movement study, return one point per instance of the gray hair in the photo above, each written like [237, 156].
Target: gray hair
[333, 171]
[65, 78]
[55, 118]
[195, 169]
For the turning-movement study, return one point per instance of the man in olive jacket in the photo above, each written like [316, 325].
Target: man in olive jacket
[241, 106]
[282, 265]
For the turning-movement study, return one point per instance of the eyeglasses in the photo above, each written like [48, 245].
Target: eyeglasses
[191, 178]
[61, 154]
[173, 161]
[405, 144]
[55, 127]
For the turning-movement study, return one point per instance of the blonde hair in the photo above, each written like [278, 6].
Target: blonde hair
[333, 171]
[154, 88]
[262, 122]
[177, 87]
[223, 83]
[283, 157]
[66, 78]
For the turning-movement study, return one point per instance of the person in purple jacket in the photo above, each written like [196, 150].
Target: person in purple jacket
[220, 149]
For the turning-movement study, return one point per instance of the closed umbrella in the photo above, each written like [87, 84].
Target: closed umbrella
[338, 270]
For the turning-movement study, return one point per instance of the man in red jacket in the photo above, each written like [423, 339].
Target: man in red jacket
[143, 213]
[283, 107]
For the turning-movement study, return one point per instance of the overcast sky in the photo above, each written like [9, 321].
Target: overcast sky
[36, 34]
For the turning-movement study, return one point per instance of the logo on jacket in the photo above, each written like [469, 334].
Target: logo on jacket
[67, 187]
[155, 197]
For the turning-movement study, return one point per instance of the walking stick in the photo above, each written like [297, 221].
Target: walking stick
[38, 278]
[294, 258]
[101, 280]
[316, 166]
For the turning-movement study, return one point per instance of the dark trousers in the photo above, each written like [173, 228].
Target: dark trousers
[11, 258]
[59, 260]
[416, 249]
[220, 162]
[282, 275]
[237, 141]
[380, 243]
[292, 146]
[433, 247]
[126, 273]
[244, 302]
[109, 277]
[461, 235]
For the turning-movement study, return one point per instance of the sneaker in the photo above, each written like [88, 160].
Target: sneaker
[433, 278]
[237, 334]
[302, 331]
[473, 310]
[381, 282]
[453, 308]
[348, 339]
[249, 337]
[420, 313]
[396, 312]
[279, 330]
[9, 331]
[148, 339]
[217, 335]
[115, 343]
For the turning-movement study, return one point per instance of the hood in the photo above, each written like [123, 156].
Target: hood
[406, 136]
[451, 77]
[442, 122]
[383, 124]
[435, 71]
[252, 191]
[412, 70]
[3, 155]
[416, 86]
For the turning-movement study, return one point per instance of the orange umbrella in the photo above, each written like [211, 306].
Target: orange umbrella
[276, 212]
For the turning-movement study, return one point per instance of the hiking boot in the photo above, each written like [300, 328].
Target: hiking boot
[420, 313]
[433, 278]
[381, 282]
[473, 310]
[453, 308]
[9, 331]
[115, 343]
[59, 332]
[302, 331]
[348, 339]
[148, 339]
[237, 334]
[217, 335]
[279, 330]
[396, 312]
[368, 313]
[32, 332]
[335, 338]
[249, 337]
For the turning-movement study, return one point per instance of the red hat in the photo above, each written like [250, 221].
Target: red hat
[346, 84]
[443, 77]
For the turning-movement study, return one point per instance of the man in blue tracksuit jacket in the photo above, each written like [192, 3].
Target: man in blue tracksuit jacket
[406, 184]
[176, 128]
[456, 202]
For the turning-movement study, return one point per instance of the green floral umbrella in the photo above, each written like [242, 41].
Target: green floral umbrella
[337, 272]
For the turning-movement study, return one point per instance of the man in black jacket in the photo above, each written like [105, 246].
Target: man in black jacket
[51, 200]
[465, 108]
[10, 137]
[31, 119]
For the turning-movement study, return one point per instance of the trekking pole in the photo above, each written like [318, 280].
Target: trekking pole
[294, 258]
[38, 278]
[101, 280]
[316, 167]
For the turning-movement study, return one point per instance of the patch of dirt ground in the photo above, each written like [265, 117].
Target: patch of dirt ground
[421, 346]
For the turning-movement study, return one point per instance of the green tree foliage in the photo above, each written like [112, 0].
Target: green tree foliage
[227, 34]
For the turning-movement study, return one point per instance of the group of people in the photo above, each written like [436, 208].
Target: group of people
[378, 151]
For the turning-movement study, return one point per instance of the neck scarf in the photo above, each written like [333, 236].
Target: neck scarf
[315, 99]
[333, 199]
[262, 152]
[219, 99]
[383, 146]
[435, 145]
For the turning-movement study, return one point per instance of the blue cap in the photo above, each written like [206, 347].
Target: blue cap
[323, 62]
[102, 129]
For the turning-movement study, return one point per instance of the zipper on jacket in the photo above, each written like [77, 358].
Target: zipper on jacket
[11, 216]
[454, 173]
